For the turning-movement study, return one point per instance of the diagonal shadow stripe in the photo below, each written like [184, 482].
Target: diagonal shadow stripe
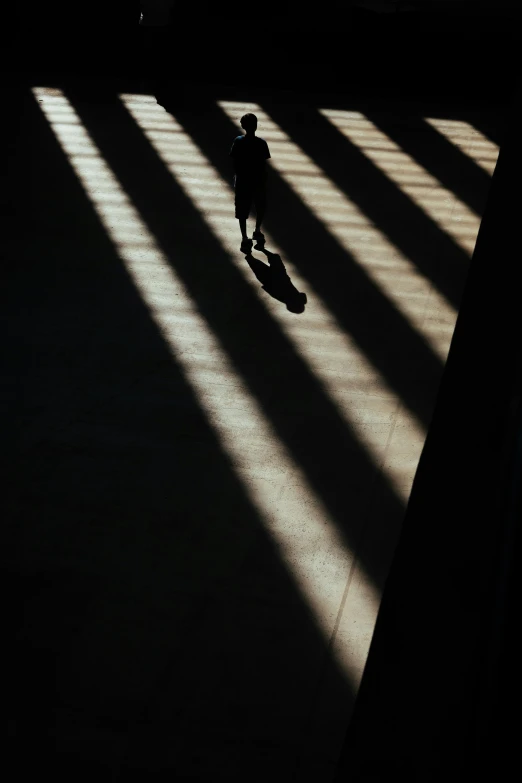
[405, 224]
[491, 124]
[400, 354]
[185, 518]
[455, 170]
[451, 215]
[277, 377]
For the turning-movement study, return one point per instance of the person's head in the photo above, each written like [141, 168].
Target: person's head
[249, 123]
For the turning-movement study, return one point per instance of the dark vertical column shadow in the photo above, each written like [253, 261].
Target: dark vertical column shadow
[409, 228]
[399, 353]
[128, 523]
[440, 681]
[327, 450]
[442, 159]
[492, 123]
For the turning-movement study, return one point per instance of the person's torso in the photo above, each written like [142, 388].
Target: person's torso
[250, 154]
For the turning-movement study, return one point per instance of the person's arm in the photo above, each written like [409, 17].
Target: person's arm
[233, 159]
[266, 159]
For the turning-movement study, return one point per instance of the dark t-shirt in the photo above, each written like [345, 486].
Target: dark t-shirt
[249, 154]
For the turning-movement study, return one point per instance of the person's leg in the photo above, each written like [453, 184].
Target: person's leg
[243, 201]
[260, 204]
[260, 210]
[259, 219]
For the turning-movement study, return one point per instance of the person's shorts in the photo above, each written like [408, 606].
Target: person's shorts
[248, 194]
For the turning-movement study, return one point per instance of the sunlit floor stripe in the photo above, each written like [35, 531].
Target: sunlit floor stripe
[352, 383]
[469, 140]
[393, 274]
[294, 516]
[451, 215]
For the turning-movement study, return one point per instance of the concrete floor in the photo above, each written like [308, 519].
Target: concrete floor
[206, 487]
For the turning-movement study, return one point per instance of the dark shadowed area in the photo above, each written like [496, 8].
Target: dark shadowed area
[208, 454]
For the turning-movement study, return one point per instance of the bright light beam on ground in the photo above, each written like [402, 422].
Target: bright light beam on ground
[469, 140]
[398, 279]
[442, 206]
[306, 537]
[369, 407]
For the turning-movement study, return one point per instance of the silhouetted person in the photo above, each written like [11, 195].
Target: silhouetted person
[249, 154]
[276, 282]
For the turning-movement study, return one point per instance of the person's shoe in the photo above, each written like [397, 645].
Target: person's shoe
[246, 245]
[259, 237]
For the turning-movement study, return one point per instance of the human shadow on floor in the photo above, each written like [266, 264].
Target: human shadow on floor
[169, 538]
[276, 281]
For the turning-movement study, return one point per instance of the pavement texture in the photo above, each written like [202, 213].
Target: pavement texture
[206, 471]
[442, 679]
